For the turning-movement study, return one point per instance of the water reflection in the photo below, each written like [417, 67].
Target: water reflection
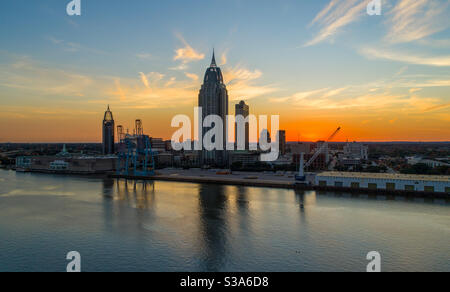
[211, 227]
[213, 208]
[139, 195]
[305, 199]
[125, 202]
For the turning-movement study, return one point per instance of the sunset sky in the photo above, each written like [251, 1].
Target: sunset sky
[318, 64]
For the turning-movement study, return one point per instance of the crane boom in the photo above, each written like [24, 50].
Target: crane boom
[301, 176]
[320, 150]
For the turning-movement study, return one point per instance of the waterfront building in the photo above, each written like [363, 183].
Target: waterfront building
[213, 99]
[73, 164]
[108, 133]
[385, 181]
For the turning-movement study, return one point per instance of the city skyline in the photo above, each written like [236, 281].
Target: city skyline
[319, 65]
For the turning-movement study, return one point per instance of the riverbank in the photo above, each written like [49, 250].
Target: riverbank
[266, 180]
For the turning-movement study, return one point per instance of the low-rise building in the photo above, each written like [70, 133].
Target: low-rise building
[429, 162]
[69, 164]
[244, 157]
[385, 181]
[356, 151]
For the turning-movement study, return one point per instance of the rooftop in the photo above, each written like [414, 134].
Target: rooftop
[441, 178]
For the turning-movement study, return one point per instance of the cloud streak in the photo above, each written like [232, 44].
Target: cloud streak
[334, 17]
[405, 57]
[187, 54]
[413, 20]
[240, 83]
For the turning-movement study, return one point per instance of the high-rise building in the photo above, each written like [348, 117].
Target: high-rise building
[264, 137]
[242, 110]
[213, 99]
[282, 141]
[108, 133]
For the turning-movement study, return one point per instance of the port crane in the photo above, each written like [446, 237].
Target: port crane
[301, 177]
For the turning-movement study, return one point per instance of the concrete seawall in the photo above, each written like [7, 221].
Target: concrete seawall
[280, 184]
[209, 180]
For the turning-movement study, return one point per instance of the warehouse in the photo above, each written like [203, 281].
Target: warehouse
[384, 181]
[67, 164]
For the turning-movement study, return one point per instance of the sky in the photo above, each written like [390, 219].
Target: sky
[319, 64]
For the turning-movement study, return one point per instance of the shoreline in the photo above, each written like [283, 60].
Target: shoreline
[250, 181]
[280, 185]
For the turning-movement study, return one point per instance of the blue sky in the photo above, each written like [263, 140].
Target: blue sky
[316, 63]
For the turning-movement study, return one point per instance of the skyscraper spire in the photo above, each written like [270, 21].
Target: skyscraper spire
[213, 62]
[108, 133]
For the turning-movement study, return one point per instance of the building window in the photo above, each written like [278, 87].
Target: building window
[390, 186]
[410, 188]
[339, 184]
[373, 186]
[429, 189]
[322, 183]
[447, 190]
[355, 185]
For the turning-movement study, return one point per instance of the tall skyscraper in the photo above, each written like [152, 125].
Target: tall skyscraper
[108, 133]
[243, 110]
[282, 141]
[213, 99]
[264, 137]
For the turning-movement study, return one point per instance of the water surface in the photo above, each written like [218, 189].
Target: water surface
[168, 226]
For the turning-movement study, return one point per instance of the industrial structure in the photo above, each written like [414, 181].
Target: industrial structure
[301, 178]
[213, 99]
[135, 155]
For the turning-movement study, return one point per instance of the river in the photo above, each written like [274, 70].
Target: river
[165, 226]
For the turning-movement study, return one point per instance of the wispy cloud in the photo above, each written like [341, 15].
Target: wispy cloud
[412, 20]
[191, 76]
[438, 107]
[145, 56]
[150, 91]
[335, 16]
[25, 74]
[223, 58]
[144, 79]
[187, 53]
[361, 99]
[405, 57]
[73, 47]
[241, 83]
